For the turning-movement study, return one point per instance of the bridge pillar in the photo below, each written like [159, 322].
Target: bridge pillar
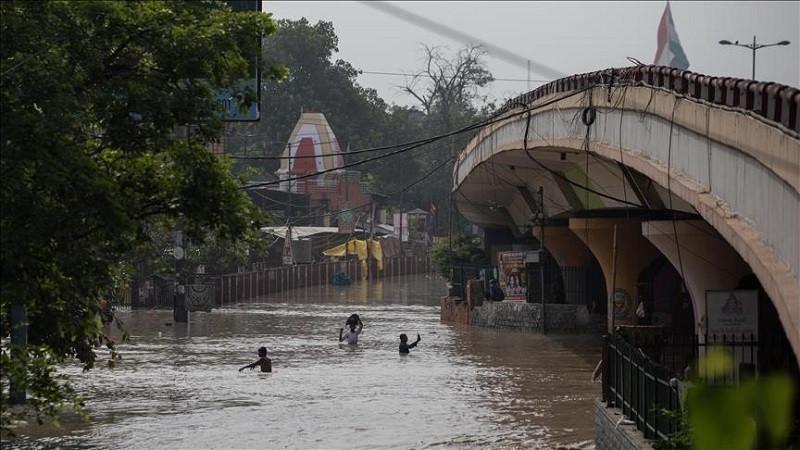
[708, 261]
[572, 257]
[633, 254]
[564, 246]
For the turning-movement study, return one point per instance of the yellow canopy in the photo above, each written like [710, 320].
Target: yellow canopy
[359, 247]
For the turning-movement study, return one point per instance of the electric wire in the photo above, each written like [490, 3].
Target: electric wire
[498, 117]
[412, 75]
[403, 189]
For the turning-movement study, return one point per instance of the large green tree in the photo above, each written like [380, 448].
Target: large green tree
[107, 112]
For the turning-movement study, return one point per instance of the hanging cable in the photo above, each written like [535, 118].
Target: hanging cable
[669, 188]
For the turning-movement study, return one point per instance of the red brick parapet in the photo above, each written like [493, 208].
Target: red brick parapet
[456, 309]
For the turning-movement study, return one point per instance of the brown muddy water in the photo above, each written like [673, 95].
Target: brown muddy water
[178, 385]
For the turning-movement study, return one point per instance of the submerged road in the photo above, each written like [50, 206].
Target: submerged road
[178, 385]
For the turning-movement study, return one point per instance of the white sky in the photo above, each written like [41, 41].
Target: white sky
[570, 37]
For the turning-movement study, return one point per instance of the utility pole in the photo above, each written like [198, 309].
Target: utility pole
[611, 308]
[371, 236]
[179, 312]
[541, 256]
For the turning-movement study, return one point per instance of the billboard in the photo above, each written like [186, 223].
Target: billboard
[513, 276]
[226, 99]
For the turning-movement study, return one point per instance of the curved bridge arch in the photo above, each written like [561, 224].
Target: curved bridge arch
[723, 150]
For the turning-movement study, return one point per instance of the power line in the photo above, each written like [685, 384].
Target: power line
[351, 152]
[497, 117]
[444, 30]
[411, 75]
[391, 194]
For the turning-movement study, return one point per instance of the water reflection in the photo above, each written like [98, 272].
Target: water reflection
[178, 385]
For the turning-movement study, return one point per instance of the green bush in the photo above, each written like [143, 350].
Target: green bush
[456, 249]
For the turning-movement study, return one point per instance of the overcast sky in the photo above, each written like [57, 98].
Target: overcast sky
[563, 37]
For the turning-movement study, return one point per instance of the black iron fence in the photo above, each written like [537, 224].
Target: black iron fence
[749, 354]
[645, 370]
[641, 388]
[462, 273]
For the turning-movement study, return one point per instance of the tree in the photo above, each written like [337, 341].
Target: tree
[448, 90]
[456, 249]
[92, 96]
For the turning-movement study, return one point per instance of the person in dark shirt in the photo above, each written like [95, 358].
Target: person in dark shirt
[495, 292]
[404, 345]
[263, 361]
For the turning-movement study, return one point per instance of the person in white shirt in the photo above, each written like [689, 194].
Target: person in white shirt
[351, 336]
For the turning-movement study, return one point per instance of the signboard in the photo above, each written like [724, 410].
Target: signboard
[513, 276]
[346, 219]
[732, 313]
[400, 224]
[229, 103]
[288, 258]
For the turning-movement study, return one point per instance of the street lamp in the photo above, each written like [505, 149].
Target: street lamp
[754, 46]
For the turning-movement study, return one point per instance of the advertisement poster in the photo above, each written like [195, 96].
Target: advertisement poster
[732, 313]
[513, 276]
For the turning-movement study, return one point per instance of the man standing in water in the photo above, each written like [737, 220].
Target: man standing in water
[351, 336]
[404, 345]
[263, 361]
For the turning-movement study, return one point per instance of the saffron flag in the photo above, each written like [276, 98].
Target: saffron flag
[669, 52]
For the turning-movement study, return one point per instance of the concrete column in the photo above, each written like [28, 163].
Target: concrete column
[565, 247]
[706, 260]
[569, 252]
[634, 253]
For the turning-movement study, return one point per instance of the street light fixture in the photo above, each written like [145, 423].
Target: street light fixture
[754, 46]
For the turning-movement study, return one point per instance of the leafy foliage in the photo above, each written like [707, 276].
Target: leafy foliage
[756, 413]
[448, 89]
[456, 249]
[107, 112]
[737, 417]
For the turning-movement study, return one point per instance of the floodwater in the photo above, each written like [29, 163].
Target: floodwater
[178, 385]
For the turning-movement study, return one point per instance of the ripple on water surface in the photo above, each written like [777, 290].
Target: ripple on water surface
[179, 386]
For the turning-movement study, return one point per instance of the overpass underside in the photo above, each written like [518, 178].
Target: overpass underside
[645, 165]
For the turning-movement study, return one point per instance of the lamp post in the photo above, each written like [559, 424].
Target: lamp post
[754, 46]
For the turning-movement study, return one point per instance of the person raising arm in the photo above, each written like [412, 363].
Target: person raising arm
[404, 345]
[351, 336]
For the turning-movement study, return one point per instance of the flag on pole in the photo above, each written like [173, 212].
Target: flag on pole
[669, 52]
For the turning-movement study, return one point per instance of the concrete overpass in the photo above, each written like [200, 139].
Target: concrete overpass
[703, 171]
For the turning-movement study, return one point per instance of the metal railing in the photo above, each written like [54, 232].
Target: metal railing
[462, 273]
[641, 388]
[642, 375]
